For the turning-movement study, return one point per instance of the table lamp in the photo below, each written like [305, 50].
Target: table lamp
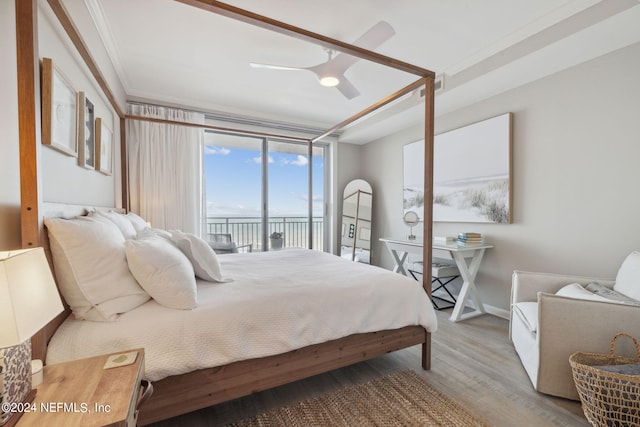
[29, 299]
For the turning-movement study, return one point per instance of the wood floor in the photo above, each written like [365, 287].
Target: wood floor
[473, 362]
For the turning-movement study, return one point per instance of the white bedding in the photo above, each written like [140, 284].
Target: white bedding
[278, 301]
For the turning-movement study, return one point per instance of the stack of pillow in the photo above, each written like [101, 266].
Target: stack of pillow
[108, 263]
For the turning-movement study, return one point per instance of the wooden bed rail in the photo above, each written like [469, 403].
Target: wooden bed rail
[206, 387]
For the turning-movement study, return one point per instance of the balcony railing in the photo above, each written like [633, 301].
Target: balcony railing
[248, 230]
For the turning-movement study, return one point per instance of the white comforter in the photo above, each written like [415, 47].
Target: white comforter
[276, 302]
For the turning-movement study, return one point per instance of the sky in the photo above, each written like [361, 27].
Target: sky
[233, 182]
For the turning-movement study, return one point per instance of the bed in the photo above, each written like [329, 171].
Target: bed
[274, 317]
[199, 388]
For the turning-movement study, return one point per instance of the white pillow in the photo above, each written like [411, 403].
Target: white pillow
[204, 259]
[163, 271]
[577, 291]
[150, 232]
[138, 223]
[628, 277]
[120, 220]
[91, 267]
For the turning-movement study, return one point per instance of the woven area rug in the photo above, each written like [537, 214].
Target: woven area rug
[399, 399]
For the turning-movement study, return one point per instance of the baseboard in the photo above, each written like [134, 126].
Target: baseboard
[497, 311]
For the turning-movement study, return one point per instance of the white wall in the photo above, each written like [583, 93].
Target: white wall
[63, 180]
[9, 147]
[576, 172]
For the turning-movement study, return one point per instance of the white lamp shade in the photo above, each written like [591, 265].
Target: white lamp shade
[29, 298]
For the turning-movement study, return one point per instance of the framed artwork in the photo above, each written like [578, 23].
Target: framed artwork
[86, 133]
[104, 147]
[471, 173]
[59, 110]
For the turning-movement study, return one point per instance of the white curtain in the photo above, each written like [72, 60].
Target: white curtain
[165, 168]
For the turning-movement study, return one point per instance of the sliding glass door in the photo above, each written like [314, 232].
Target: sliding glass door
[233, 187]
[290, 215]
[258, 191]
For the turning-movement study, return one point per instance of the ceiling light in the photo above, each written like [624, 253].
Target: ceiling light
[329, 81]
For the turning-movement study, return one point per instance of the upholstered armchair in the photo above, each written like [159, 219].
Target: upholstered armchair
[546, 328]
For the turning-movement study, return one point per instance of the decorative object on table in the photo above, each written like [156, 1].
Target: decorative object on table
[59, 110]
[411, 219]
[29, 299]
[357, 206]
[86, 133]
[609, 385]
[470, 239]
[122, 359]
[444, 240]
[276, 239]
[104, 147]
[471, 173]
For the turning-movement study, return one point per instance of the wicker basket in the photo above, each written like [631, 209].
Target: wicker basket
[608, 398]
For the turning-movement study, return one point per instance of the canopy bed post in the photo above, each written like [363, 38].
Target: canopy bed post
[28, 65]
[428, 200]
[310, 192]
[124, 172]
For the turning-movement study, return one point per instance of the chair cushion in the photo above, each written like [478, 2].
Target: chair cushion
[628, 277]
[224, 247]
[528, 313]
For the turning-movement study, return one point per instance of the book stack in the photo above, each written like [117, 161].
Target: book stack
[470, 239]
[444, 240]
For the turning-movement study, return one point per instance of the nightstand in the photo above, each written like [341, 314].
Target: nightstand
[83, 393]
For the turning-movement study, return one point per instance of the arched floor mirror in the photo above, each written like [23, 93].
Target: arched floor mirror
[357, 205]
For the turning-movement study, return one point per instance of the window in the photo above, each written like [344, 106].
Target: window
[258, 189]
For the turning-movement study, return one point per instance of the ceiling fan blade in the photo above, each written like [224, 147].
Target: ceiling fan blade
[275, 67]
[375, 36]
[370, 40]
[347, 88]
[339, 64]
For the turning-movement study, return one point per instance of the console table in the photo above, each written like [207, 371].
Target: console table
[400, 250]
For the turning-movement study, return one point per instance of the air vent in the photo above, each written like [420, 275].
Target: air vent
[438, 85]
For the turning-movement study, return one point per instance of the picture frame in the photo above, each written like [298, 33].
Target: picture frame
[86, 133]
[104, 147]
[471, 173]
[59, 110]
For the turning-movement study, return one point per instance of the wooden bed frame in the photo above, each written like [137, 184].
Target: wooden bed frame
[185, 393]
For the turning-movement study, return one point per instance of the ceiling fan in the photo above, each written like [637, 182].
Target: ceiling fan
[331, 72]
